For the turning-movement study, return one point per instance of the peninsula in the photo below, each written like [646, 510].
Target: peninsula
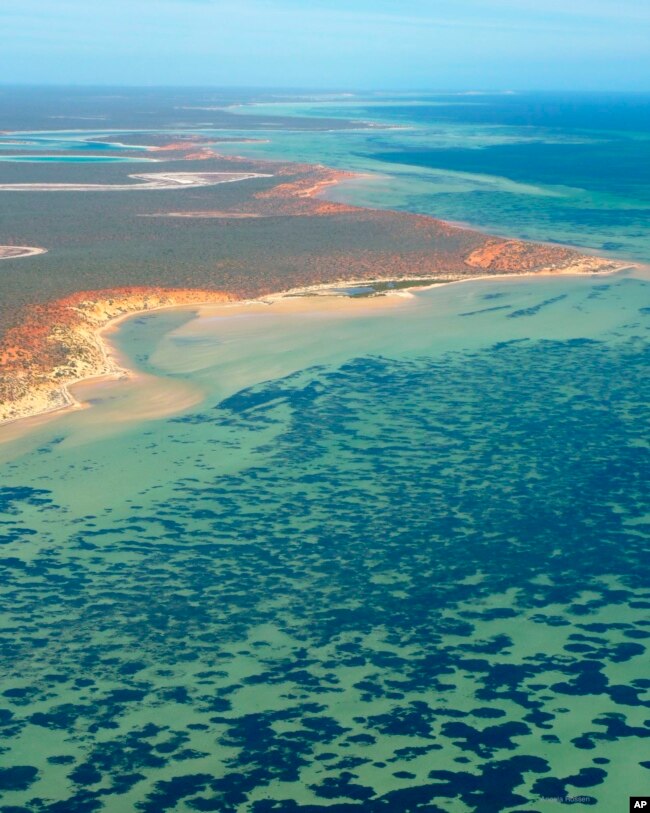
[190, 235]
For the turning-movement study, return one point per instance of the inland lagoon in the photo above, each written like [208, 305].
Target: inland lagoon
[338, 553]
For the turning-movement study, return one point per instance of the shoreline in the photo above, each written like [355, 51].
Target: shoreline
[61, 342]
[95, 356]
[424, 283]
[112, 368]
[350, 177]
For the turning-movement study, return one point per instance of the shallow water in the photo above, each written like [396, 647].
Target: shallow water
[86, 139]
[390, 557]
[571, 168]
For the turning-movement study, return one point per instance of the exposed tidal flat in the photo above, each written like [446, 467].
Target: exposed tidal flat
[391, 558]
[72, 159]
[15, 252]
[149, 181]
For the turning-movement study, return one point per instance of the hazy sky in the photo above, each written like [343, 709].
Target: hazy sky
[519, 44]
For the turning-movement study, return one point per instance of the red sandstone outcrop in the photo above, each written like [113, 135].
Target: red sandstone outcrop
[508, 256]
[58, 343]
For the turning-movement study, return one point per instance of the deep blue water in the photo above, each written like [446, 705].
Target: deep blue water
[628, 112]
[571, 168]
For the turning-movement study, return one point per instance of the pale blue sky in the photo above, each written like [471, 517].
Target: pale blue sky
[390, 44]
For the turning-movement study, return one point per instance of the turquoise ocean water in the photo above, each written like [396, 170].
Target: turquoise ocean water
[61, 143]
[341, 555]
[573, 168]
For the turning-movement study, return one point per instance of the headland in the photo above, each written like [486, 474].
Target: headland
[208, 240]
